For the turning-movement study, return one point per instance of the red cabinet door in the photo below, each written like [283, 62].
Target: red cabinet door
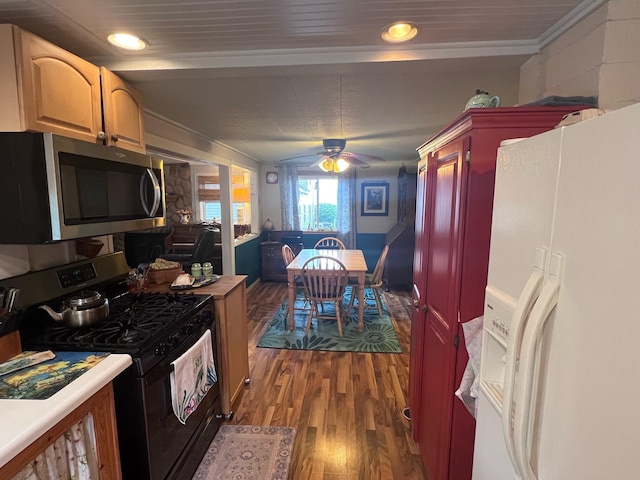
[447, 171]
[418, 298]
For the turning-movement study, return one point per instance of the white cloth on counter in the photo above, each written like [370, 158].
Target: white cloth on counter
[468, 391]
[194, 373]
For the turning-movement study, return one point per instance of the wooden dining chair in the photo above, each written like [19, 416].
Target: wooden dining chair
[287, 258]
[287, 255]
[325, 280]
[373, 281]
[329, 243]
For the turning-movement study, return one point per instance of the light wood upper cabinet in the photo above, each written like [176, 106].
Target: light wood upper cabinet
[44, 88]
[122, 104]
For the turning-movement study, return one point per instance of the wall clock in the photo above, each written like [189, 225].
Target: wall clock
[272, 177]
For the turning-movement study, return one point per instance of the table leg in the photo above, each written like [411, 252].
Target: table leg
[292, 299]
[361, 302]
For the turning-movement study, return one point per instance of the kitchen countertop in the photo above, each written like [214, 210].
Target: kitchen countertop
[23, 421]
[219, 289]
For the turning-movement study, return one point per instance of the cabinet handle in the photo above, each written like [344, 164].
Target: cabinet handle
[102, 136]
[424, 309]
[114, 137]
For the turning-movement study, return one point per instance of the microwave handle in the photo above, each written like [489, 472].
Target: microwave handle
[156, 190]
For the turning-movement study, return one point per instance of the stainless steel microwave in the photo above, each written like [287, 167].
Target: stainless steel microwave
[57, 188]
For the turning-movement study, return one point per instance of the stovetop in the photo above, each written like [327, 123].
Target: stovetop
[153, 328]
[135, 322]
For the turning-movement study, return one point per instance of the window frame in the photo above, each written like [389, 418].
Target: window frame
[312, 176]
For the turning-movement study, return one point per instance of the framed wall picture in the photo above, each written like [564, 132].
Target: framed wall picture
[375, 199]
[272, 177]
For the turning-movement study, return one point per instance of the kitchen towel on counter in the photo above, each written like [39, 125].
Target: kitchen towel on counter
[468, 391]
[194, 372]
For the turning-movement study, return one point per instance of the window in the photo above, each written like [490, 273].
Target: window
[318, 202]
[210, 208]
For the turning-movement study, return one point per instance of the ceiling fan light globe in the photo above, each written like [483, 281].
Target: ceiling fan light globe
[340, 165]
[327, 165]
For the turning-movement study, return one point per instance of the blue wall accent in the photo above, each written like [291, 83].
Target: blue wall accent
[248, 260]
[371, 245]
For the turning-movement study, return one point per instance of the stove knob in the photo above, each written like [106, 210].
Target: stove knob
[188, 328]
[172, 341]
[161, 349]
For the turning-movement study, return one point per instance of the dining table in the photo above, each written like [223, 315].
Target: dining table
[354, 262]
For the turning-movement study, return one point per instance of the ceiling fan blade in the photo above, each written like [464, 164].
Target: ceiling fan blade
[302, 159]
[360, 157]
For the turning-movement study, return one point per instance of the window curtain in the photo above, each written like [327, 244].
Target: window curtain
[72, 456]
[288, 175]
[347, 214]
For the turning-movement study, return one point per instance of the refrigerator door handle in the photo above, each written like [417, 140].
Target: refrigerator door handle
[528, 379]
[518, 322]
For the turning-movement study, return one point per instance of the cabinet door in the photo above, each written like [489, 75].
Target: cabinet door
[447, 174]
[273, 269]
[123, 119]
[60, 92]
[233, 341]
[418, 297]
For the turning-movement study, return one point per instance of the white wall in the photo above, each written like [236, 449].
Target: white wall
[599, 56]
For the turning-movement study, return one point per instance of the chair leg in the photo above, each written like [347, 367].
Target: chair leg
[353, 295]
[338, 319]
[376, 294]
[313, 308]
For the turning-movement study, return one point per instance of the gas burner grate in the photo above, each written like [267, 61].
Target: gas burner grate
[134, 321]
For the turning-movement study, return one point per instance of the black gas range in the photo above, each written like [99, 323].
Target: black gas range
[154, 329]
[147, 326]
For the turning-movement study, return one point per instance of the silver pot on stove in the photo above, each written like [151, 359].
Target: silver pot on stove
[81, 310]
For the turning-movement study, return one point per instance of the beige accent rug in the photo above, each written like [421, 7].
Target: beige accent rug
[249, 453]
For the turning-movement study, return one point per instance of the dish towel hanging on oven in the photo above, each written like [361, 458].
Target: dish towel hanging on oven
[194, 372]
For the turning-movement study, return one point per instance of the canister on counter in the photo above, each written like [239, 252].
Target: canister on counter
[207, 271]
[196, 271]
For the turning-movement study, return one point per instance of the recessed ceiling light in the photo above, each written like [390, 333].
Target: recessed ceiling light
[127, 41]
[399, 32]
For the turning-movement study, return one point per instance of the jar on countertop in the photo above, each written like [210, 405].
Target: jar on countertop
[196, 270]
[207, 271]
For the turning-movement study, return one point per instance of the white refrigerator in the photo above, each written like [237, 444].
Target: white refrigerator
[560, 368]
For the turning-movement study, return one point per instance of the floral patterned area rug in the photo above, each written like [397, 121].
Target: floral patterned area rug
[378, 335]
[248, 452]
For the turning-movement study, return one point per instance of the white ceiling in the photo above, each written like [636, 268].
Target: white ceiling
[272, 78]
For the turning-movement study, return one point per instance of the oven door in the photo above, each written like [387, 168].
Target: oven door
[168, 442]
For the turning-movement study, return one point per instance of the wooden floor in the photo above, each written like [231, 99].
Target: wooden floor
[346, 407]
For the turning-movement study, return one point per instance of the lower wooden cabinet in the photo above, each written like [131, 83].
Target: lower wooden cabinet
[233, 342]
[101, 406]
[273, 268]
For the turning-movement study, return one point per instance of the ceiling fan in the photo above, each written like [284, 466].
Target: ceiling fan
[335, 159]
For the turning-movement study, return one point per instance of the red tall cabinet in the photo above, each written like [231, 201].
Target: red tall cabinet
[453, 226]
